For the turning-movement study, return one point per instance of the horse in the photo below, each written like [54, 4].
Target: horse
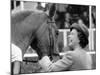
[33, 29]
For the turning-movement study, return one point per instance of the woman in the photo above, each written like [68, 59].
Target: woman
[77, 59]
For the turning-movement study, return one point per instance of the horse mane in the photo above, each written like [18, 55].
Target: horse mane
[20, 16]
[26, 17]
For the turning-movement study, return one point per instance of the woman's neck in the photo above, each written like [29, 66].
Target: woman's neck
[77, 47]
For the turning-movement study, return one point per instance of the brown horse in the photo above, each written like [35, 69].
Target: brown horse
[33, 29]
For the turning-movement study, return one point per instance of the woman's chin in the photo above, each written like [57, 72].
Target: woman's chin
[70, 46]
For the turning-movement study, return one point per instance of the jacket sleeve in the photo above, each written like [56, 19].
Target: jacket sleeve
[60, 65]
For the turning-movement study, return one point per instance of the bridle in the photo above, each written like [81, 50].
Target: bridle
[52, 36]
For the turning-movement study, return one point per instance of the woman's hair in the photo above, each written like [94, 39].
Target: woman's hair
[83, 33]
[83, 39]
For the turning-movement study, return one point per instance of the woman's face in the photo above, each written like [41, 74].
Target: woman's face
[73, 38]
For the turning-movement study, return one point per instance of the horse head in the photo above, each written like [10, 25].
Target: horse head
[46, 38]
[53, 36]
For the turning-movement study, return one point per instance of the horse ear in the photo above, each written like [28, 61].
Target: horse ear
[52, 10]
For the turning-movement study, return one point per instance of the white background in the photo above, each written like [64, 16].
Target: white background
[5, 36]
